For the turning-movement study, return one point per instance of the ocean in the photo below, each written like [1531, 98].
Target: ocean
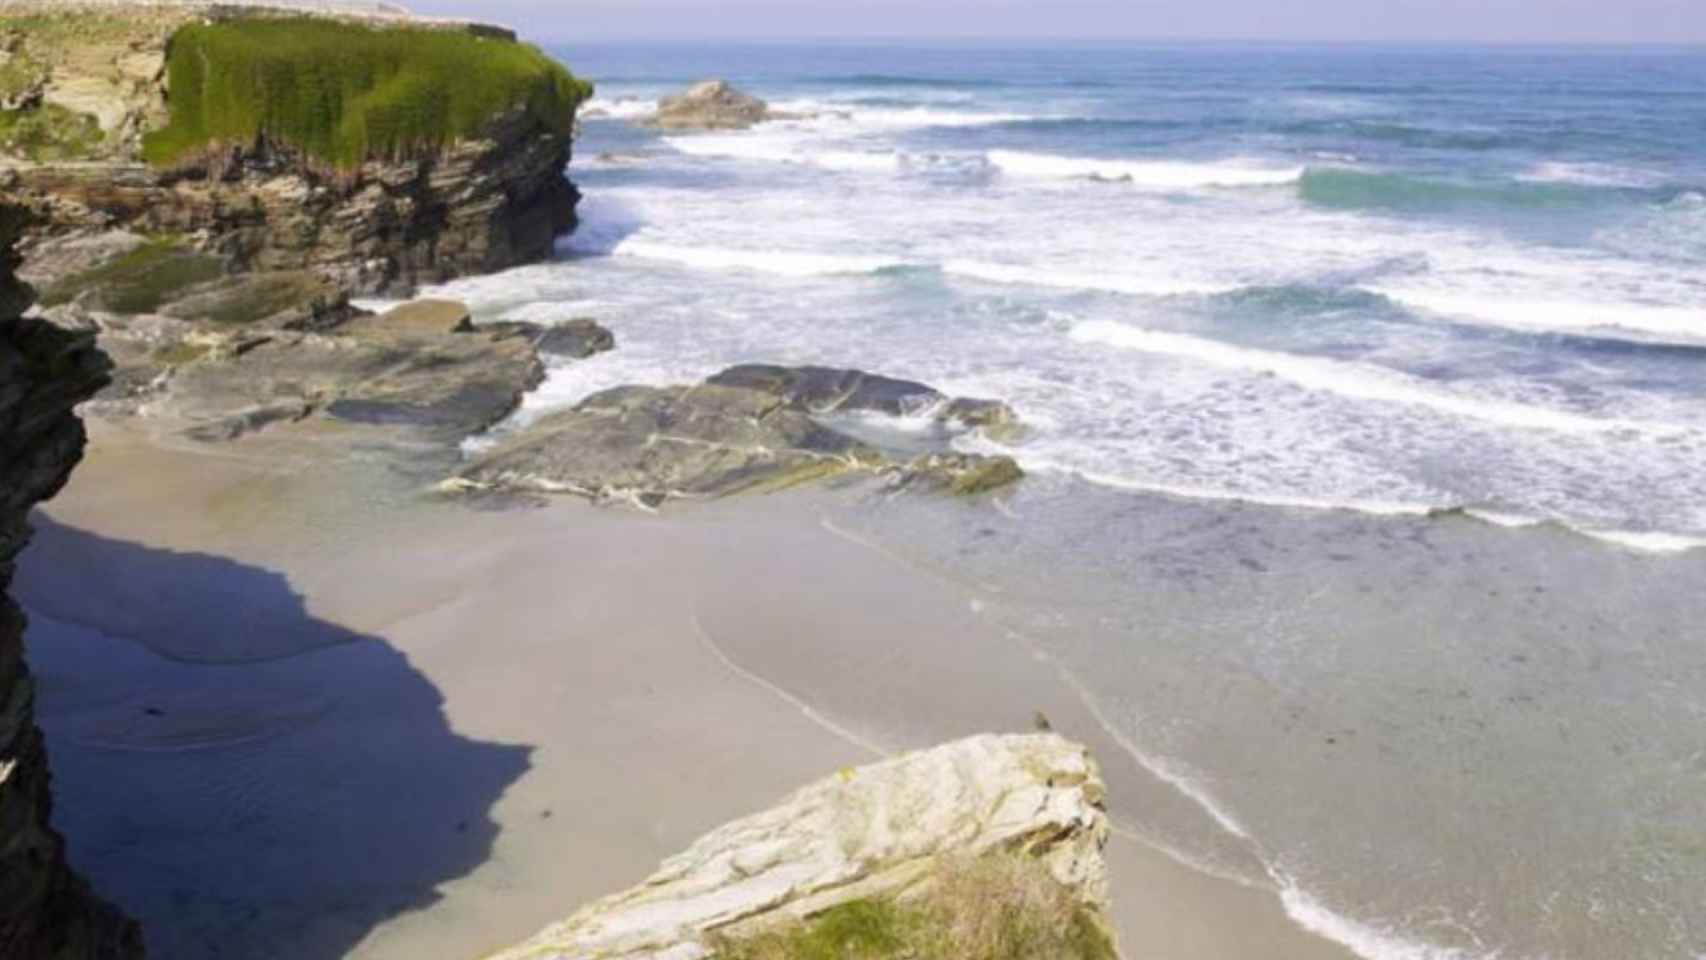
[1366, 395]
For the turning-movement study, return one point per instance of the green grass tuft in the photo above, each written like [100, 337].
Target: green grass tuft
[343, 94]
[49, 133]
[1004, 906]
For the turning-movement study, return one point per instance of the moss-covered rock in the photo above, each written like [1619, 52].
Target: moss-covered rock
[141, 281]
[343, 94]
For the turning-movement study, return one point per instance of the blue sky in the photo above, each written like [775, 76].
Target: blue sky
[1382, 21]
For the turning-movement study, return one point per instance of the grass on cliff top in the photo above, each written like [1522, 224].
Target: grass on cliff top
[997, 907]
[342, 94]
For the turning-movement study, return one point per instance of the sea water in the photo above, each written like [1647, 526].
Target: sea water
[1367, 403]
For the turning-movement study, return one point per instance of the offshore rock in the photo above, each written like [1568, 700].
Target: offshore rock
[46, 911]
[711, 105]
[872, 832]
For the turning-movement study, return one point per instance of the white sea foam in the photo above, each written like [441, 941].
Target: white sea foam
[838, 117]
[1649, 541]
[1138, 285]
[782, 262]
[1555, 314]
[620, 108]
[1160, 175]
[1358, 380]
[1590, 174]
[1364, 939]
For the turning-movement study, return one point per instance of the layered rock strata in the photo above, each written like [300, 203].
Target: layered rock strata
[874, 833]
[475, 205]
[46, 911]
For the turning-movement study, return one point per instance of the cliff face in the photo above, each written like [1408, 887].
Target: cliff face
[882, 840]
[46, 911]
[82, 87]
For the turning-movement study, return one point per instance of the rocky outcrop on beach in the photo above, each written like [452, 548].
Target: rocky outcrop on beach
[421, 371]
[46, 910]
[894, 832]
[84, 83]
[710, 105]
[748, 429]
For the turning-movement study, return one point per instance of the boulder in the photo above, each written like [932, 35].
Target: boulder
[710, 105]
[861, 835]
[423, 318]
[578, 338]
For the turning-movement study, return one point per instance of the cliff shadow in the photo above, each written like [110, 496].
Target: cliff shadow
[279, 807]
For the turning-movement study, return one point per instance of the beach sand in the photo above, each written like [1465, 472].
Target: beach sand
[298, 708]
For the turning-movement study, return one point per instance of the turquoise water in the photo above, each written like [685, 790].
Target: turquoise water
[1367, 395]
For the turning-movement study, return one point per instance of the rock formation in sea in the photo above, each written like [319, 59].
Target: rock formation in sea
[982, 838]
[749, 428]
[448, 160]
[46, 910]
[711, 105]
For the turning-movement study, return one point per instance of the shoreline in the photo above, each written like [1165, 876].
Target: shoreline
[658, 707]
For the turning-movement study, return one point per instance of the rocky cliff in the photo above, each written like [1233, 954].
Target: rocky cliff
[418, 174]
[989, 847]
[46, 911]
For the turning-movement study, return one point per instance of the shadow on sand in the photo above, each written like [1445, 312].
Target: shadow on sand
[240, 806]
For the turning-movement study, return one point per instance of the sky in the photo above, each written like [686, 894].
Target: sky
[1371, 21]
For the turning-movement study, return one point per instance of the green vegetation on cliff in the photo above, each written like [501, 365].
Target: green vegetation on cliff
[49, 133]
[1003, 906]
[342, 94]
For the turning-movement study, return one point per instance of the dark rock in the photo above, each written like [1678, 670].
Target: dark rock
[825, 390]
[748, 428]
[711, 105]
[579, 338]
[46, 910]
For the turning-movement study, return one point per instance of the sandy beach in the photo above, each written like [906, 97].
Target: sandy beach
[351, 719]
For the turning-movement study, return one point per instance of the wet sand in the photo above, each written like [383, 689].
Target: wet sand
[299, 709]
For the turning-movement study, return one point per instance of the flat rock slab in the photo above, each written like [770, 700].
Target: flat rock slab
[750, 428]
[651, 444]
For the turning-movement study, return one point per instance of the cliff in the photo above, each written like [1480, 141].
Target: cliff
[46, 911]
[380, 152]
[985, 849]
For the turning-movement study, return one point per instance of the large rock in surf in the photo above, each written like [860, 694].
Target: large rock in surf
[750, 428]
[46, 910]
[711, 105]
[869, 835]
[828, 390]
